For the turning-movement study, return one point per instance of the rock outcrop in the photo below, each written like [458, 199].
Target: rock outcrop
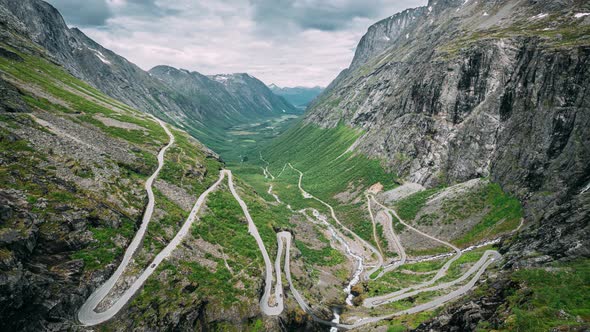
[459, 90]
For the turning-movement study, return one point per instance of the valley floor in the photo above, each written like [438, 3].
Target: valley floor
[368, 261]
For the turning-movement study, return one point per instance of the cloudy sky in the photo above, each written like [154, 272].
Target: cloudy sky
[287, 42]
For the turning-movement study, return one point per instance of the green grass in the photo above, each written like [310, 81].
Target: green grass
[542, 293]
[7, 145]
[185, 166]
[226, 225]
[156, 237]
[394, 281]
[316, 152]
[499, 212]
[425, 266]
[504, 214]
[408, 207]
[457, 268]
[104, 251]
[326, 256]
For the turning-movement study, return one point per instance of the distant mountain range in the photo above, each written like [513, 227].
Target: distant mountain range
[200, 104]
[299, 96]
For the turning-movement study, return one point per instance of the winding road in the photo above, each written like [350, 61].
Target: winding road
[87, 314]
[264, 305]
[392, 237]
[360, 267]
[490, 256]
[477, 269]
[395, 296]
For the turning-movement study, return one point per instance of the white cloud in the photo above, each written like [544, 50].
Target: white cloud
[228, 36]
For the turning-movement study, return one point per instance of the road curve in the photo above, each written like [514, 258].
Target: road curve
[378, 300]
[284, 239]
[333, 214]
[412, 291]
[490, 256]
[375, 237]
[396, 243]
[264, 305]
[86, 314]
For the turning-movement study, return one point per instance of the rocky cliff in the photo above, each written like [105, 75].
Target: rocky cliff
[459, 90]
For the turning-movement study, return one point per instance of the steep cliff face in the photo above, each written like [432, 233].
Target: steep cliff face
[385, 33]
[543, 150]
[469, 89]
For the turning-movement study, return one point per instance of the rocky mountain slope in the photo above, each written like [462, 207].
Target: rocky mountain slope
[73, 164]
[470, 119]
[462, 89]
[199, 104]
[298, 96]
[255, 96]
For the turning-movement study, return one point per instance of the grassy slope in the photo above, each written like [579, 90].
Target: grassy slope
[83, 105]
[315, 152]
[549, 299]
[502, 212]
[184, 283]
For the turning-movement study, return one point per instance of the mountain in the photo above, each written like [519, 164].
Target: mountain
[255, 95]
[222, 102]
[87, 60]
[74, 165]
[443, 100]
[298, 96]
[440, 183]
[235, 98]
[203, 109]
[460, 91]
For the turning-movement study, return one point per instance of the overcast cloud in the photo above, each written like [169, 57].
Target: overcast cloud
[286, 42]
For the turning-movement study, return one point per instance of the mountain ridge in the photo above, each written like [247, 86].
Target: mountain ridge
[459, 125]
[299, 96]
[199, 113]
[473, 90]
